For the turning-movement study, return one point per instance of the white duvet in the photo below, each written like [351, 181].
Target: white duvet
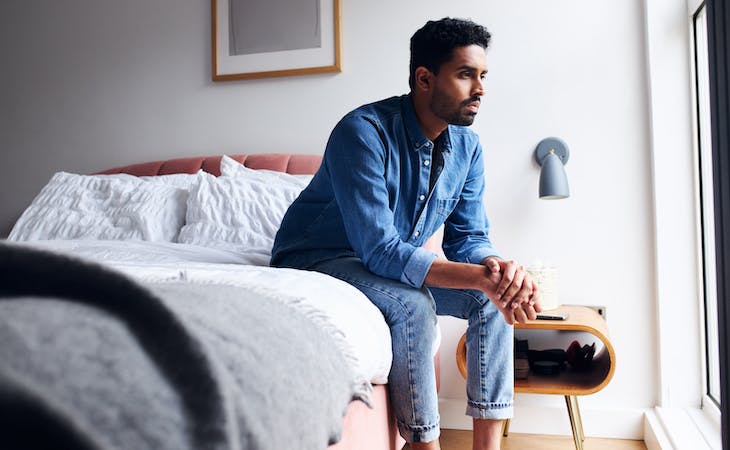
[346, 308]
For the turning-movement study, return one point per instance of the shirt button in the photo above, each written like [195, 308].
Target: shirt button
[417, 233]
[422, 197]
[426, 162]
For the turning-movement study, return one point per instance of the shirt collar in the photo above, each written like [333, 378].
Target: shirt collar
[418, 140]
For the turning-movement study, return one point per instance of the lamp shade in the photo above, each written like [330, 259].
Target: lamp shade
[552, 154]
[553, 181]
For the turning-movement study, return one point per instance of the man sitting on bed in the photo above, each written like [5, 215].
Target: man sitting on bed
[393, 172]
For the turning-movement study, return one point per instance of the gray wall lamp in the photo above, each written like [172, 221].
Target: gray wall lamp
[552, 154]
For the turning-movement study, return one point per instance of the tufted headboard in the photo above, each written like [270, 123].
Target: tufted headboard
[281, 162]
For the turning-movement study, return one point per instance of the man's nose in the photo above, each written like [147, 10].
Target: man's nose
[478, 87]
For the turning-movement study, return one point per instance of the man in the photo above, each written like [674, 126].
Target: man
[393, 172]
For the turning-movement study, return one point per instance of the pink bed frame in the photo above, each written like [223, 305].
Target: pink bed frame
[363, 428]
[281, 162]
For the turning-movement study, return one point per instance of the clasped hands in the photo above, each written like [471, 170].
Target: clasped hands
[515, 293]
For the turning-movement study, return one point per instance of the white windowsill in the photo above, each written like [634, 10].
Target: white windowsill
[682, 428]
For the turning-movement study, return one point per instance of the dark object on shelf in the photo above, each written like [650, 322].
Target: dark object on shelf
[521, 345]
[546, 367]
[555, 355]
[522, 367]
[580, 358]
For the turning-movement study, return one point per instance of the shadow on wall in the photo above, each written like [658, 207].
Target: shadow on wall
[6, 226]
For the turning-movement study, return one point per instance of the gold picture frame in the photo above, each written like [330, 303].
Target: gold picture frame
[263, 60]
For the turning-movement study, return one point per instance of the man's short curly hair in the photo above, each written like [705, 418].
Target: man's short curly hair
[432, 45]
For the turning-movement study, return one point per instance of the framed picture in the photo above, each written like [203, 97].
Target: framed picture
[275, 38]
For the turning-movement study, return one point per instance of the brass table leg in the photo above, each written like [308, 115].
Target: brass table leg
[505, 428]
[575, 421]
[579, 417]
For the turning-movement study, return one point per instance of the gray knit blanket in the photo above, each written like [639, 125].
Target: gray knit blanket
[90, 359]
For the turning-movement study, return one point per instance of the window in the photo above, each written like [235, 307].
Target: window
[707, 213]
[714, 18]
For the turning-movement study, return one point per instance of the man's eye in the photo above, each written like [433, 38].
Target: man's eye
[465, 75]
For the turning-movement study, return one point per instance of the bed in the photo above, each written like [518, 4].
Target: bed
[248, 356]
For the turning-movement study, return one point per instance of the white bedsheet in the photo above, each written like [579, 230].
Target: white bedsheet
[347, 309]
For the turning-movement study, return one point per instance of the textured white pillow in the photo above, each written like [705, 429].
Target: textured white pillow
[236, 213]
[179, 180]
[232, 168]
[109, 207]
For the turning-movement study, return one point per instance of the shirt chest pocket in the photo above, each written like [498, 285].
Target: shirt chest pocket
[445, 206]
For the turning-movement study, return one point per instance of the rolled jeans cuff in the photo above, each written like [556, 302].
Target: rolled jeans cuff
[494, 411]
[419, 433]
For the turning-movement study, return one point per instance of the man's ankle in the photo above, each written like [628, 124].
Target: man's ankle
[433, 445]
[487, 434]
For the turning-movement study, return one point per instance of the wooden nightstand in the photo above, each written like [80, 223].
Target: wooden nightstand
[568, 383]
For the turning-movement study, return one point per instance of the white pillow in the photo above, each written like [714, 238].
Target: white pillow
[236, 213]
[232, 168]
[179, 180]
[109, 207]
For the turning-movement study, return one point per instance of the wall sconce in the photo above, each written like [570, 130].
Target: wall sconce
[552, 154]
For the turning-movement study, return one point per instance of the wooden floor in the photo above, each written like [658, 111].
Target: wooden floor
[461, 440]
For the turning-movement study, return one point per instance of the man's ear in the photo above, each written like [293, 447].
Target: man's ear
[424, 79]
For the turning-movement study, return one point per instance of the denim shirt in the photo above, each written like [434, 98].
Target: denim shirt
[370, 198]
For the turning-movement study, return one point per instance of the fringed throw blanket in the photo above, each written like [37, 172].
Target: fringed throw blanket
[90, 359]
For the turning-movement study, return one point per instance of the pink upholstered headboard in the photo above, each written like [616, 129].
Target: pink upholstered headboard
[281, 162]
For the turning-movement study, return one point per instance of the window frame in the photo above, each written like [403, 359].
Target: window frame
[718, 26]
[706, 272]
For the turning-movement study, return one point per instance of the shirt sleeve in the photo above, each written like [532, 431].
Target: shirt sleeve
[355, 160]
[466, 230]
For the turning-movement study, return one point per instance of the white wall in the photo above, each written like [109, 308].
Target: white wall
[89, 85]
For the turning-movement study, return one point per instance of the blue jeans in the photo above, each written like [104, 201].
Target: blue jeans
[411, 316]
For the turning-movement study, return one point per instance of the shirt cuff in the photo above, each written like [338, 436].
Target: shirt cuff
[478, 255]
[417, 267]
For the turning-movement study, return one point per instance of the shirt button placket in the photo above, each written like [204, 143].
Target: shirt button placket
[422, 197]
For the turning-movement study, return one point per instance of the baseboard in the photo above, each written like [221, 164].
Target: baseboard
[617, 424]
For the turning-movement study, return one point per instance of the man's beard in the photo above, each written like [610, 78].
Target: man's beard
[441, 107]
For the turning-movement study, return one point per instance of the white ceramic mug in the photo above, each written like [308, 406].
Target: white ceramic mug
[546, 278]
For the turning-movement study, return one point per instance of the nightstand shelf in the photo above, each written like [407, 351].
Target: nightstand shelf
[568, 383]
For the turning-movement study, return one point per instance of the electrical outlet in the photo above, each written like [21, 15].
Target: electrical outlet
[601, 310]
